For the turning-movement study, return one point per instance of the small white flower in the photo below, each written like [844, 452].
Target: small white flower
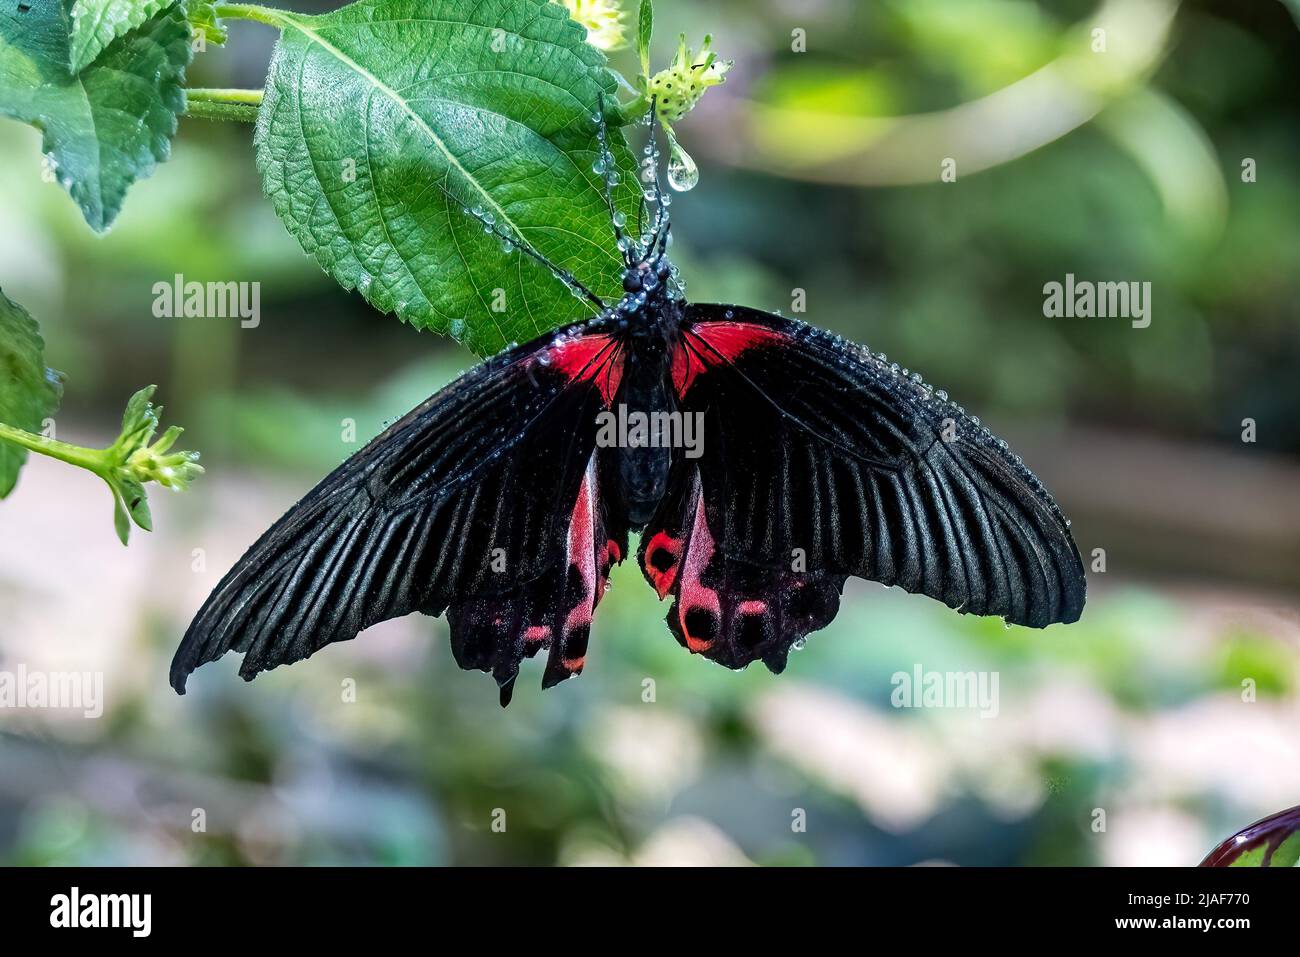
[603, 20]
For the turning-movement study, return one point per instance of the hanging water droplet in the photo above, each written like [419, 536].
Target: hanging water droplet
[598, 167]
[651, 195]
[799, 644]
[666, 199]
[620, 218]
[683, 174]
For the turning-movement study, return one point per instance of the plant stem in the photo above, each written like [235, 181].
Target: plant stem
[250, 11]
[225, 95]
[93, 460]
[209, 104]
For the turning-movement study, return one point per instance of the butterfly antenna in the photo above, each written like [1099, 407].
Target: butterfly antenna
[511, 241]
[659, 232]
[607, 169]
[653, 189]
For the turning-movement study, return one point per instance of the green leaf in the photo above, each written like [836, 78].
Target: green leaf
[1272, 842]
[29, 392]
[97, 23]
[203, 17]
[383, 120]
[644, 30]
[108, 125]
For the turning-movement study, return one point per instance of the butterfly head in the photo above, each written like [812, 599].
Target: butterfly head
[649, 276]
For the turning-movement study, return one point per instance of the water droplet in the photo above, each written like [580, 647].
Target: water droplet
[799, 644]
[507, 246]
[620, 218]
[941, 396]
[477, 212]
[683, 174]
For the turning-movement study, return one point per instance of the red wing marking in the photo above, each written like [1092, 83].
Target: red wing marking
[693, 597]
[593, 358]
[662, 556]
[708, 343]
[582, 553]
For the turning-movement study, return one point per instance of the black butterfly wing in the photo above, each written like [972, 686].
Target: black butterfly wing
[822, 461]
[477, 502]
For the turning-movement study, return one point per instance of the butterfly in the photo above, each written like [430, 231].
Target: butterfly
[504, 500]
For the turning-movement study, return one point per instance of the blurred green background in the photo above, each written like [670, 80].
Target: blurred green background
[820, 172]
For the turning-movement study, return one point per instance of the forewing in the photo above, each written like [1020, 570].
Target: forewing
[821, 456]
[467, 499]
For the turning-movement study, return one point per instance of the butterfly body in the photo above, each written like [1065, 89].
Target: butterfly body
[505, 500]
